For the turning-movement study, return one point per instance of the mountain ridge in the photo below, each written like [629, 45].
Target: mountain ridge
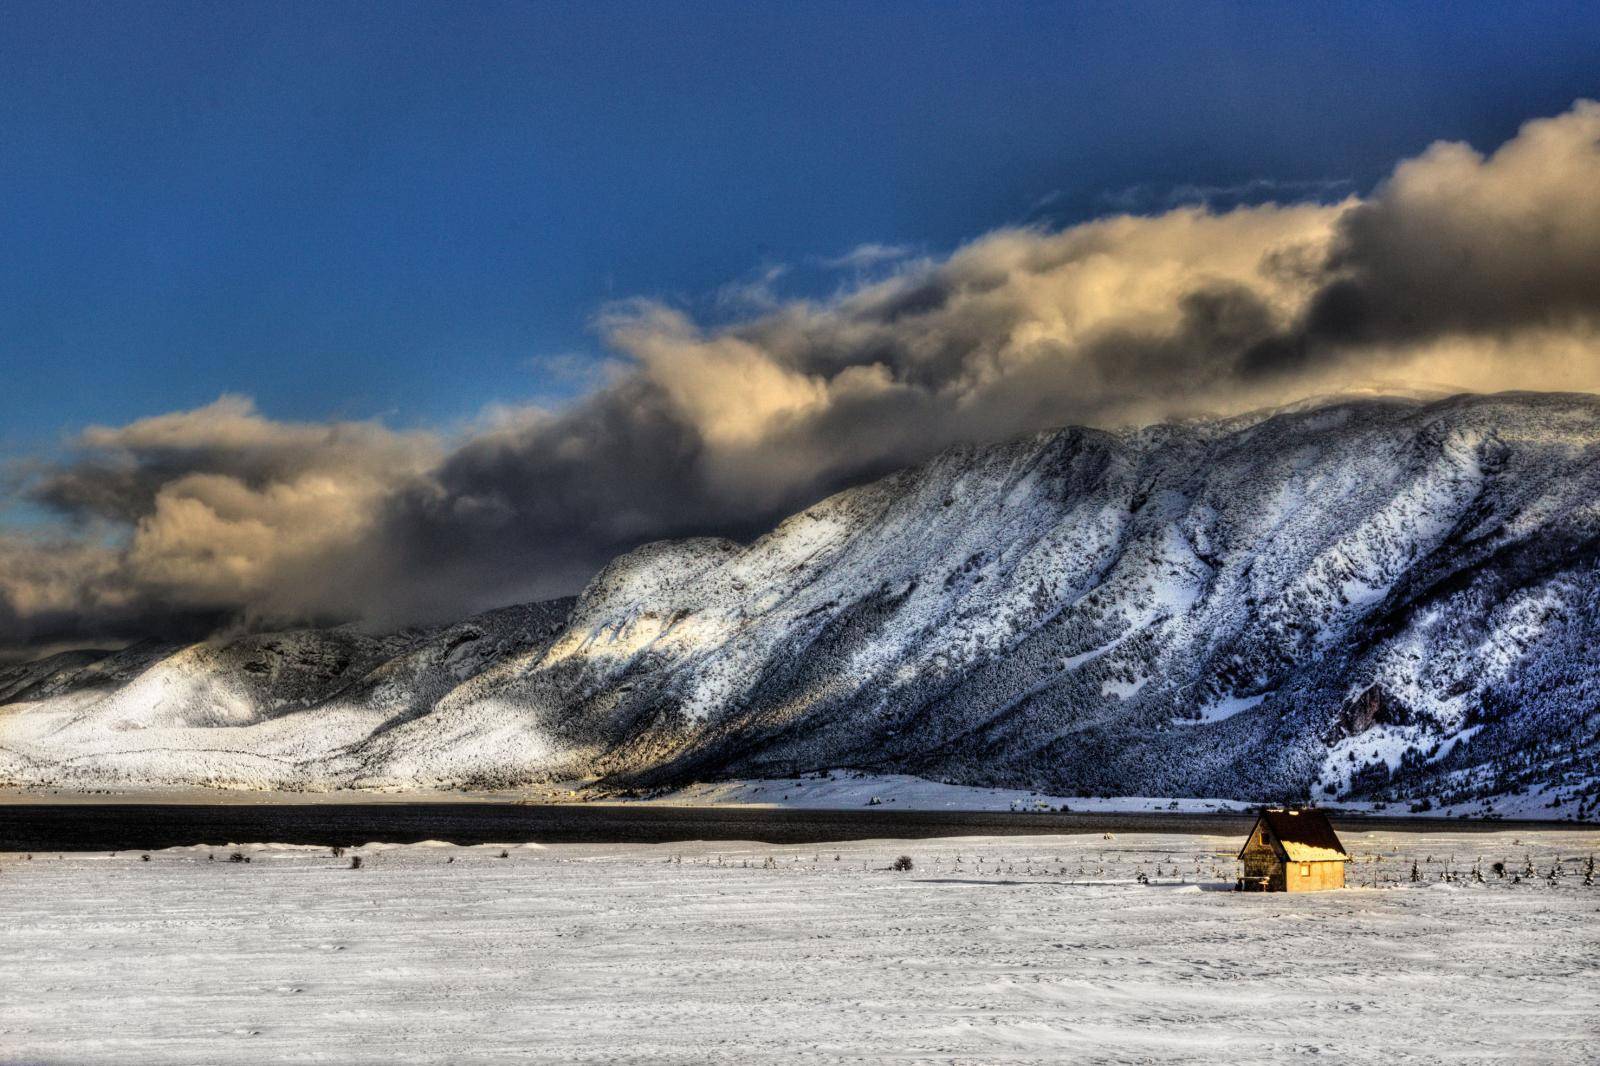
[1381, 598]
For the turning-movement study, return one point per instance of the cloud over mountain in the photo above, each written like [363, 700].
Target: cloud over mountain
[1462, 270]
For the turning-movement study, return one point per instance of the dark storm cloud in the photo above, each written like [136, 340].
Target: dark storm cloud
[1456, 244]
[530, 508]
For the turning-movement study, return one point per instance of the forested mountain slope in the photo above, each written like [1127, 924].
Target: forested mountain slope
[1368, 599]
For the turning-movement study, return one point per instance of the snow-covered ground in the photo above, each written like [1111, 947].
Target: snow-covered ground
[848, 788]
[1036, 949]
[836, 789]
[829, 789]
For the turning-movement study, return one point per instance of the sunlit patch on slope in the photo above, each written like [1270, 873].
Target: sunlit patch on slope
[1220, 710]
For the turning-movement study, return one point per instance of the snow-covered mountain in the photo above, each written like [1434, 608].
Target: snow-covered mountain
[1382, 599]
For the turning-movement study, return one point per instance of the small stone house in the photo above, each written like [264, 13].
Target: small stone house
[1292, 851]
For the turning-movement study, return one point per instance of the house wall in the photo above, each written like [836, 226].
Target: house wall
[1321, 876]
[1260, 860]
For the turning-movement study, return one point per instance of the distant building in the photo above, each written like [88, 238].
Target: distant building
[1292, 851]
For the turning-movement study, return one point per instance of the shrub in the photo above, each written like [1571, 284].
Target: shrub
[237, 856]
[902, 863]
[355, 862]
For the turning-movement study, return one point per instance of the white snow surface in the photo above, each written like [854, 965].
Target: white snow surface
[990, 950]
[842, 789]
[837, 789]
[822, 790]
[1223, 708]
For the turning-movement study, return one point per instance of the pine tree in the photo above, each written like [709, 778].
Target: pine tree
[1416, 874]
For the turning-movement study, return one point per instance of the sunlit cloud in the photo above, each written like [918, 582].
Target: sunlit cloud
[1462, 270]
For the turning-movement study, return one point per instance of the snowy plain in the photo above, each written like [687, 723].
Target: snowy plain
[995, 949]
[850, 788]
[818, 790]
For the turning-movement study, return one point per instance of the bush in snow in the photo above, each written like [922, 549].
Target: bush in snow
[902, 863]
[355, 862]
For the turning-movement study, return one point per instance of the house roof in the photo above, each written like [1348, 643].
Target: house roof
[1303, 835]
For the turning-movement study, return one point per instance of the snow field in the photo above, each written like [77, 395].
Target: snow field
[845, 789]
[998, 949]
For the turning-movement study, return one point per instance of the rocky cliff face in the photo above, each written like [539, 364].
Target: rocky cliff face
[1382, 598]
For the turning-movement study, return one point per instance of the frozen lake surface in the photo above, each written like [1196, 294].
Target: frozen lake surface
[992, 949]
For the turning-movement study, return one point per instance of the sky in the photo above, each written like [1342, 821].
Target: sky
[388, 312]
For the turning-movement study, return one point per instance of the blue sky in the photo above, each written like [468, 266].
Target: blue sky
[403, 210]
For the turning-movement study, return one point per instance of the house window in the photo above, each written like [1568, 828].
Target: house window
[1305, 869]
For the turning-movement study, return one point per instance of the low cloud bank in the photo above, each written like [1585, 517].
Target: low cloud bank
[1463, 270]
